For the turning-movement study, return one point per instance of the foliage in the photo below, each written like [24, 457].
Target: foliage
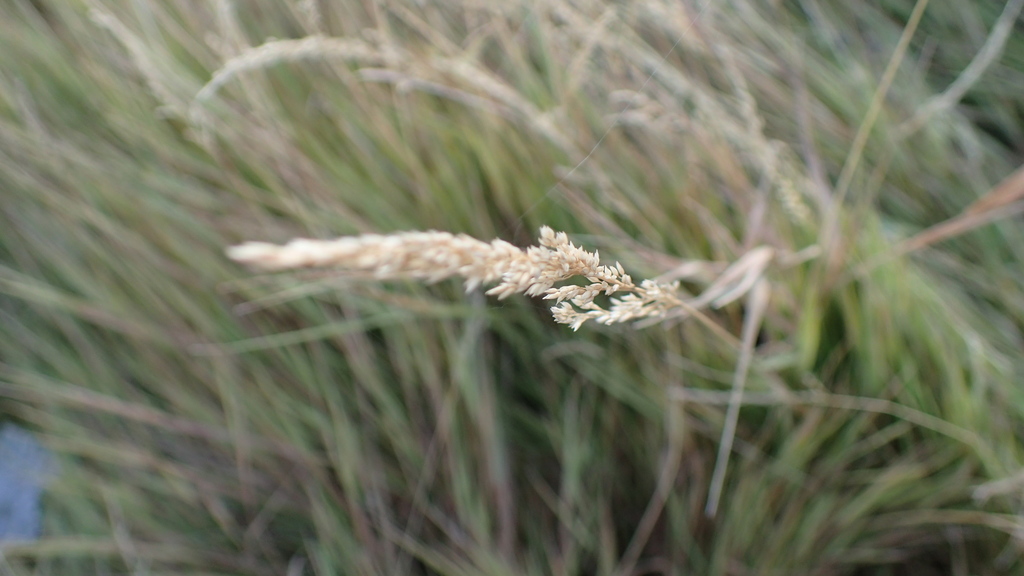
[214, 422]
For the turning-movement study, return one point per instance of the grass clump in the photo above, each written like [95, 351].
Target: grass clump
[845, 334]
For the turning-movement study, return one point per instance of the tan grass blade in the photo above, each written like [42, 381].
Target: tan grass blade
[757, 304]
[1002, 201]
[831, 230]
[1005, 200]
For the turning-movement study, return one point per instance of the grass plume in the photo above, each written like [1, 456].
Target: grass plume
[434, 256]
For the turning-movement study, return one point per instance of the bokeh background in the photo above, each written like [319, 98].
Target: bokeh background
[208, 419]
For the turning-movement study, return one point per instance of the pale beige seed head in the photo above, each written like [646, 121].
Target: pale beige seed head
[433, 256]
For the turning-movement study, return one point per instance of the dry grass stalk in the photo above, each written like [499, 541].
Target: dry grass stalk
[1005, 200]
[989, 53]
[433, 256]
[276, 51]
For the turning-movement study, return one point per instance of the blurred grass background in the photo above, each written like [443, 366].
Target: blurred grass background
[211, 421]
